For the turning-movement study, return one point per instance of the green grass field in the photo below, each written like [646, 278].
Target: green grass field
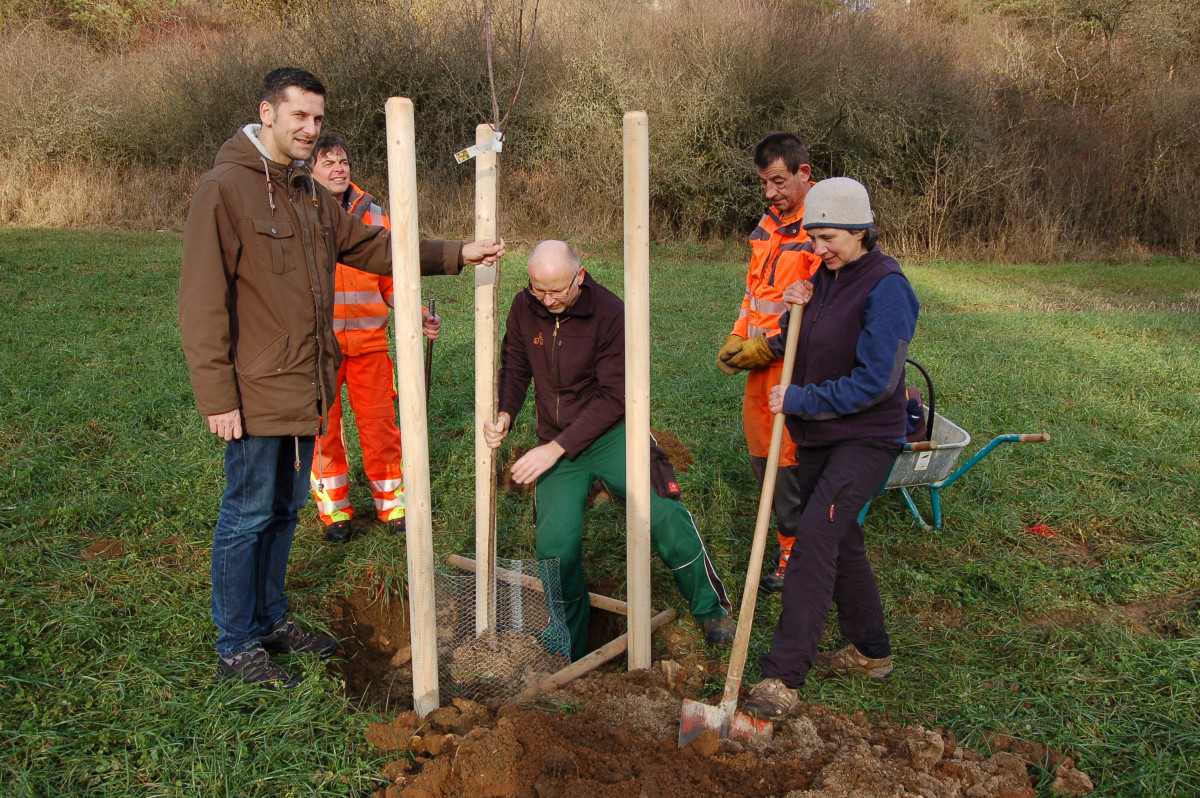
[1086, 641]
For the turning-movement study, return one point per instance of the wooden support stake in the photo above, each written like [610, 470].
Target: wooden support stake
[637, 385]
[487, 286]
[587, 664]
[410, 384]
[598, 601]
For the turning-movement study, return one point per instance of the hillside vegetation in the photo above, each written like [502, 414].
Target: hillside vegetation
[1018, 129]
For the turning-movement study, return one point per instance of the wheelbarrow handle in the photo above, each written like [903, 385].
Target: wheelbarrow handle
[1037, 437]
[921, 446]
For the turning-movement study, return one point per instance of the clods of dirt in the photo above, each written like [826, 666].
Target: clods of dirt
[614, 734]
[679, 455]
[501, 665]
[103, 550]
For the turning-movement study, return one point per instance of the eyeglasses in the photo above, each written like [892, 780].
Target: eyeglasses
[560, 296]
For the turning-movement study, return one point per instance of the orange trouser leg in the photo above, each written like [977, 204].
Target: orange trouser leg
[330, 477]
[757, 420]
[372, 385]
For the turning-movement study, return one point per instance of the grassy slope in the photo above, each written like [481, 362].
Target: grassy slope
[106, 666]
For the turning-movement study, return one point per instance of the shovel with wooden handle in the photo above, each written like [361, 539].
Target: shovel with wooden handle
[724, 718]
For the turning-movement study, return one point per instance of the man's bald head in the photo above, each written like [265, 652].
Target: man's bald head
[552, 259]
[554, 273]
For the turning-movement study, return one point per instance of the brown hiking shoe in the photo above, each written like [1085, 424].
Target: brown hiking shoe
[848, 660]
[771, 700]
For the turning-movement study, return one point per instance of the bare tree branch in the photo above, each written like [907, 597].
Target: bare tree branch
[487, 32]
[460, 88]
[522, 59]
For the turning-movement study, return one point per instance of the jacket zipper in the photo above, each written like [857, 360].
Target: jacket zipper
[554, 347]
[305, 230]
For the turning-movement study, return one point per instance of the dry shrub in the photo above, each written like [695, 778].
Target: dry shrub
[1026, 133]
[80, 192]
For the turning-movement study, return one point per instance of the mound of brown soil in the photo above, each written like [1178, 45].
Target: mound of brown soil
[613, 734]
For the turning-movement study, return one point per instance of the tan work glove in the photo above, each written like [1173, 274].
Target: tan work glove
[756, 352]
[733, 346]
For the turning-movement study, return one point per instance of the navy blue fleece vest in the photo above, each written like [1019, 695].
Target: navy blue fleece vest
[829, 333]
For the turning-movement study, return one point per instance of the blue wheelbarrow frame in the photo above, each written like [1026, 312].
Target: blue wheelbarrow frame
[930, 463]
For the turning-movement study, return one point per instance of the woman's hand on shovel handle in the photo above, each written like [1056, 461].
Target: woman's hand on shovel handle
[798, 293]
[778, 393]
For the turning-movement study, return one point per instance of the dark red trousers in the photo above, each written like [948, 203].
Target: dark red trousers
[829, 559]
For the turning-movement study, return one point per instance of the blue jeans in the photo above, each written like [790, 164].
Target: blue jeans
[264, 492]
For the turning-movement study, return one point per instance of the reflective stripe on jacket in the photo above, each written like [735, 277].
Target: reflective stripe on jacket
[361, 300]
[781, 255]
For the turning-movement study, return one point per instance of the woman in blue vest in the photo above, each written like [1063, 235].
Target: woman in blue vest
[845, 409]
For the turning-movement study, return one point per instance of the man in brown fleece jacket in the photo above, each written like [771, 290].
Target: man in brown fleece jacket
[566, 334]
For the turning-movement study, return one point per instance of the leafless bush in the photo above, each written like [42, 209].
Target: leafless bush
[1001, 134]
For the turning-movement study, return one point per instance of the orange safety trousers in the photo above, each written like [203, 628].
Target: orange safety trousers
[757, 420]
[371, 384]
[781, 256]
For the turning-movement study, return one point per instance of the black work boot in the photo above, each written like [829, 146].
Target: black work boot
[396, 526]
[773, 582]
[337, 531]
[720, 631]
[289, 637]
[254, 666]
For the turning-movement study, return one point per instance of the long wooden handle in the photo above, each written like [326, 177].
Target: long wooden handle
[741, 640]
[610, 650]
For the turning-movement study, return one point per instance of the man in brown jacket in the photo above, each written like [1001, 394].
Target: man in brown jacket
[255, 314]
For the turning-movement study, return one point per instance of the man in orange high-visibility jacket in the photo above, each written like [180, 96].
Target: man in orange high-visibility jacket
[360, 317]
[781, 255]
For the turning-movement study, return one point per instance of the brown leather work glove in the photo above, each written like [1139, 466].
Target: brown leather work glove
[732, 347]
[756, 352]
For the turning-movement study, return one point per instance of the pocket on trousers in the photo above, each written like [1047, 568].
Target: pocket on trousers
[662, 474]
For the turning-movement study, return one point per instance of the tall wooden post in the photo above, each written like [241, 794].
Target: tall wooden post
[637, 385]
[487, 286]
[410, 384]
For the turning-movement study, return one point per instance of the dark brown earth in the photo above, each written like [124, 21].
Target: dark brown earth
[613, 733]
[103, 550]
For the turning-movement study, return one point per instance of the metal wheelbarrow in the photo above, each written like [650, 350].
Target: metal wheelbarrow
[930, 463]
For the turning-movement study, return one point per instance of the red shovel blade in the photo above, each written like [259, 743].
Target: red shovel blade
[744, 727]
[697, 717]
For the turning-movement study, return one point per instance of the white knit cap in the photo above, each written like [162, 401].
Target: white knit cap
[838, 202]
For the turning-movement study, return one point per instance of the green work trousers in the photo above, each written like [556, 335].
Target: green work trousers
[560, 501]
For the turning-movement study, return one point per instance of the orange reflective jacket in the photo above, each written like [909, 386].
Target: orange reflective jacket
[361, 300]
[781, 256]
